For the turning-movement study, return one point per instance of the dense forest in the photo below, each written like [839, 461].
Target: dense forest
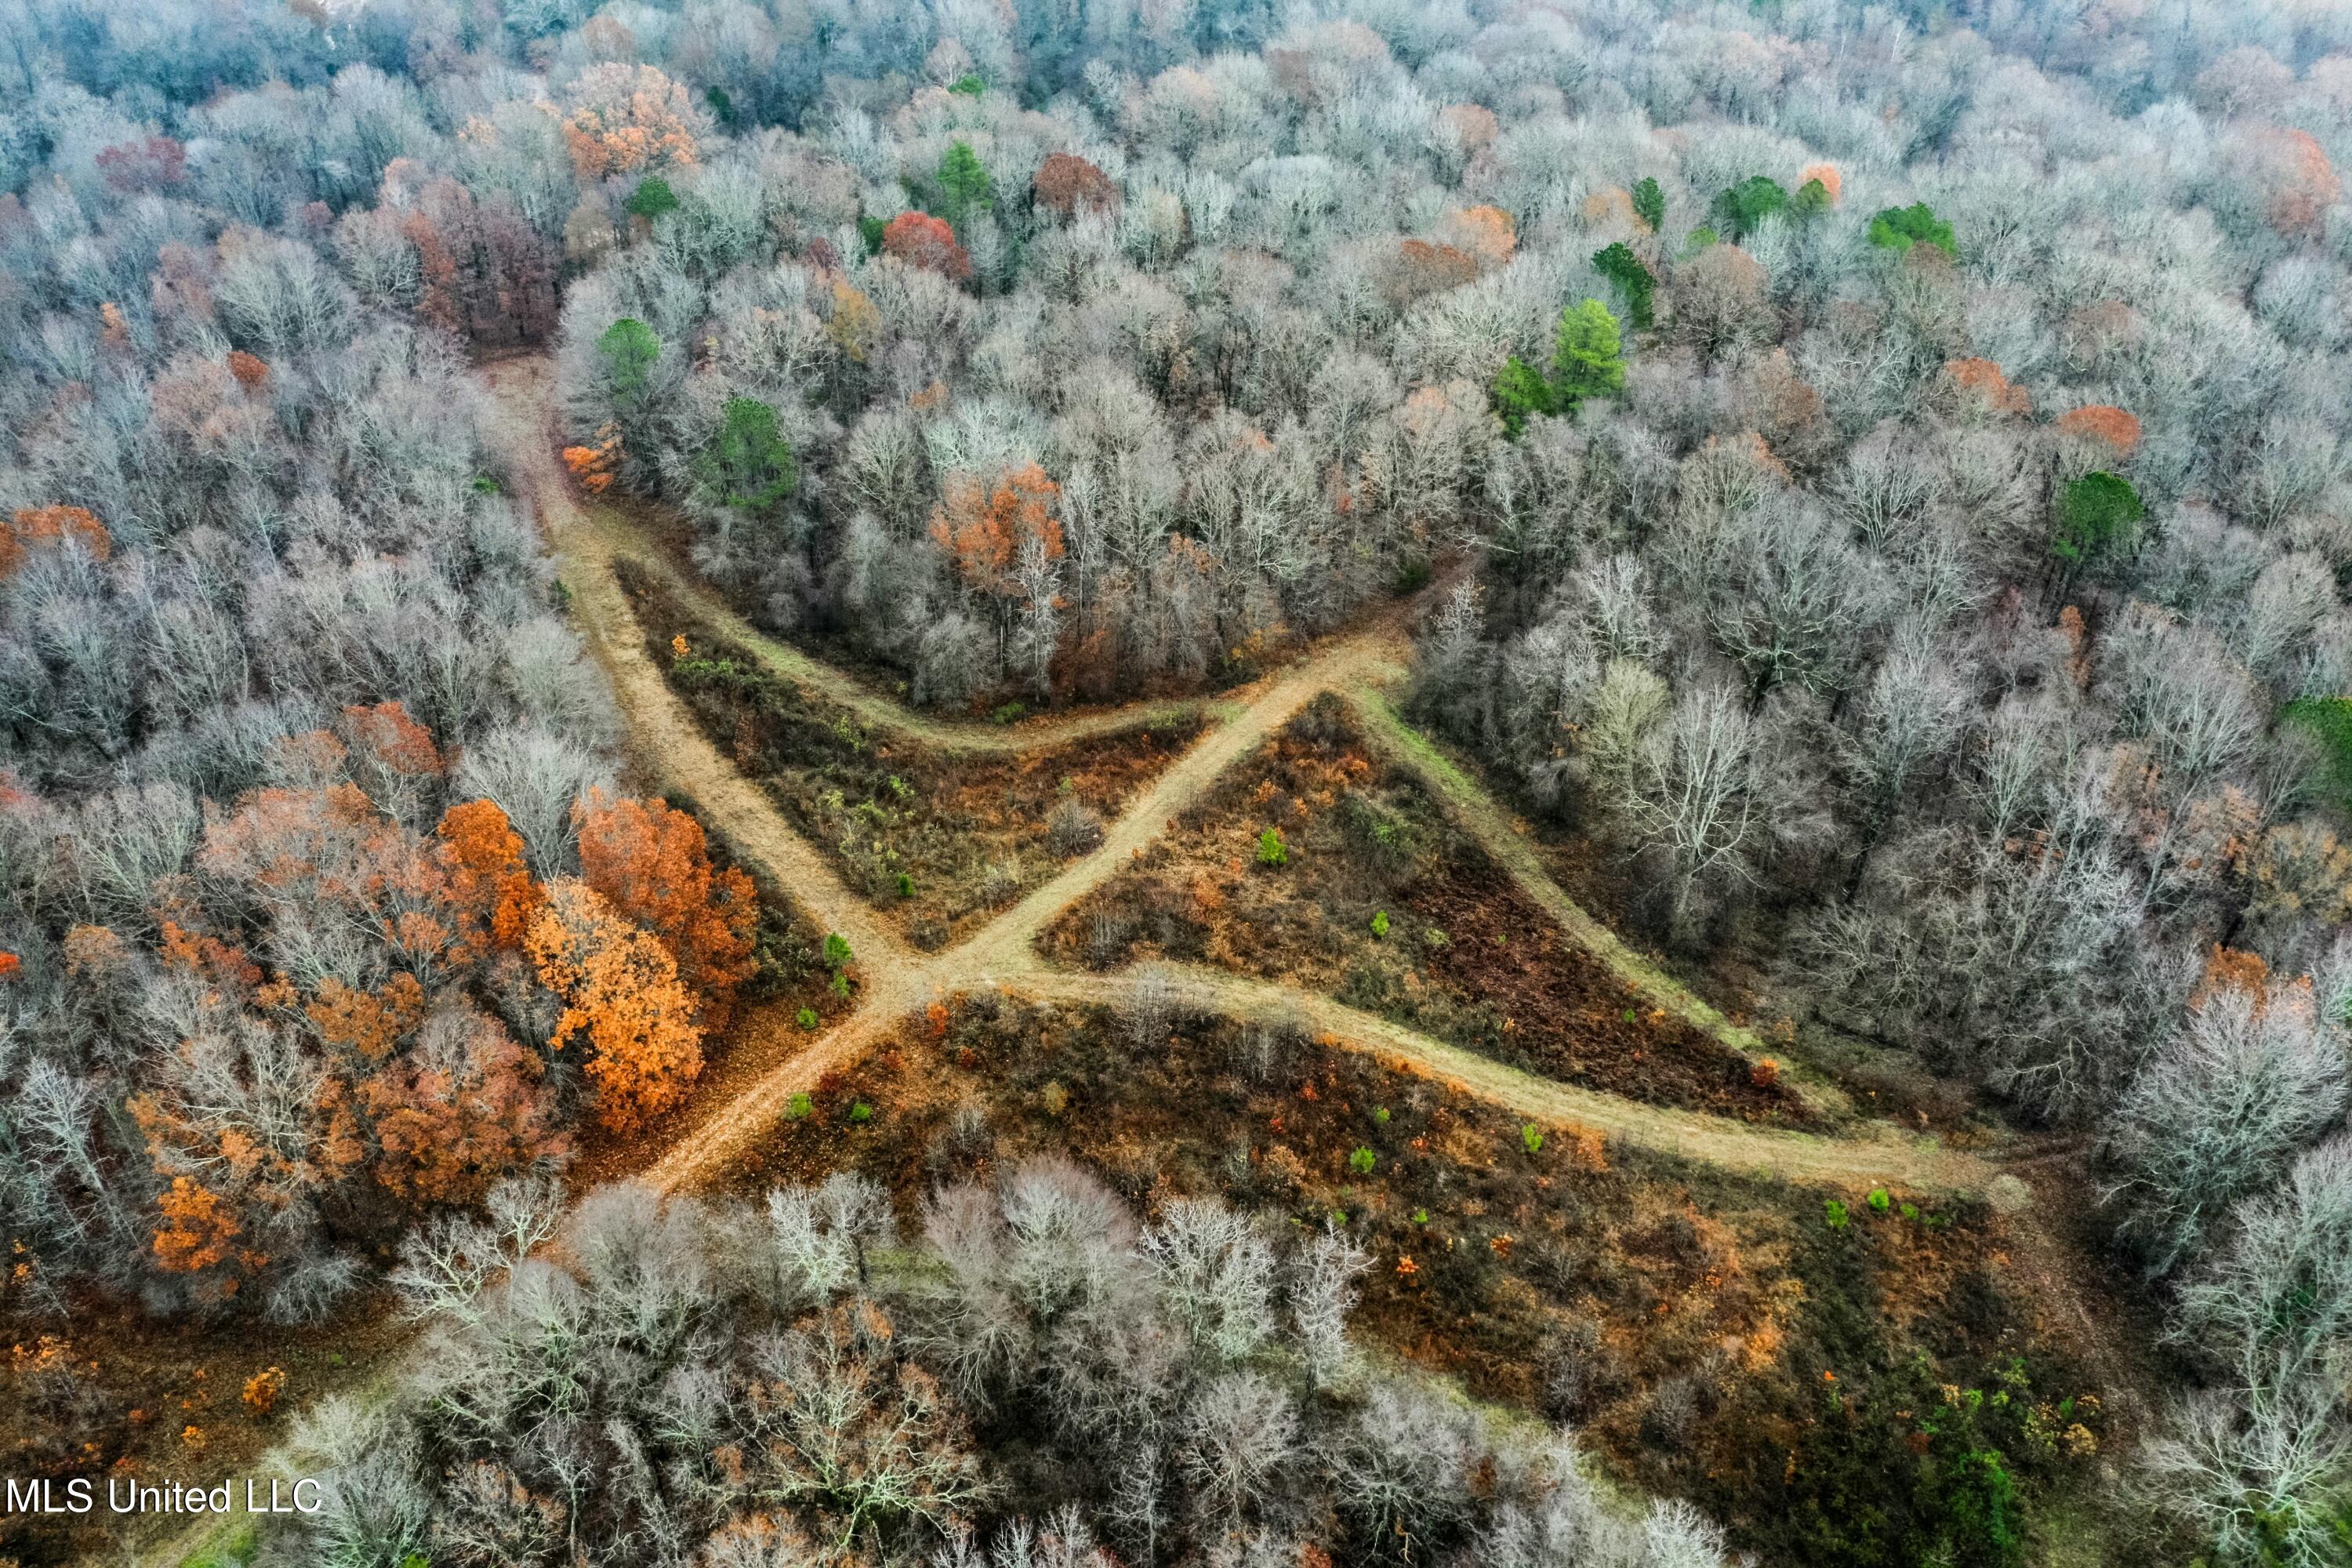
[1878, 475]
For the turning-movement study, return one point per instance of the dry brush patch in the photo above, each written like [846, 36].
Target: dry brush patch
[936, 841]
[1780, 1353]
[1316, 863]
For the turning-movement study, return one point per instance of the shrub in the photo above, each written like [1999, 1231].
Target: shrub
[799, 1106]
[1380, 923]
[1362, 1161]
[1271, 850]
[906, 885]
[1879, 1200]
[1532, 1137]
[1072, 827]
[1834, 1211]
[805, 1017]
[861, 1112]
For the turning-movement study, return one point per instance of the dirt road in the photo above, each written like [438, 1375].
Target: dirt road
[896, 980]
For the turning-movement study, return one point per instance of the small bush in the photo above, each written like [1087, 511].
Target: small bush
[1072, 827]
[1362, 1161]
[1053, 1097]
[861, 1112]
[1834, 1210]
[805, 1017]
[1880, 1200]
[837, 951]
[1010, 714]
[1380, 923]
[1532, 1137]
[1380, 1115]
[906, 885]
[1271, 850]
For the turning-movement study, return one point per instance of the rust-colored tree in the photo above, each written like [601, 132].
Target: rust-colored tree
[653, 865]
[199, 1235]
[624, 119]
[919, 239]
[595, 464]
[490, 885]
[984, 527]
[1069, 185]
[2102, 422]
[46, 526]
[1980, 384]
[621, 994]
[467, 1106]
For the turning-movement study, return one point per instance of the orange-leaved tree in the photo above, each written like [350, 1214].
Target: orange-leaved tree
[624, 119]
[919, 239]
[463, 1109]
[489, 886]
[595, 464]
[653, 865]
[621, 992]
[985, 528]
[50, 525]
[2116, 427]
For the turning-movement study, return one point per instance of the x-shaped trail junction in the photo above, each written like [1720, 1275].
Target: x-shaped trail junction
[664, 738]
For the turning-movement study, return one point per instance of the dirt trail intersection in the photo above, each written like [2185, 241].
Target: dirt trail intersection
[895, 980]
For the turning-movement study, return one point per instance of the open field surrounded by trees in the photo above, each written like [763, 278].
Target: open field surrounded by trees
[799, 782]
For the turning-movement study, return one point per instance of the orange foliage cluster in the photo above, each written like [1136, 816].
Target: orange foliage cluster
[919, 239]
[251, 373]
[262, 1389]
[651, 863]
[1981, 379]
[199, 1234]
[1486, 232]
[460, 1111]
[49, 525]
[1827, 174]
[593, 465]
[2105, 421]
[411, 1084]
[625, 118]
[620, 990]
[984, 528]
[482, 855]
[1422, 269]
[2230, 969]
